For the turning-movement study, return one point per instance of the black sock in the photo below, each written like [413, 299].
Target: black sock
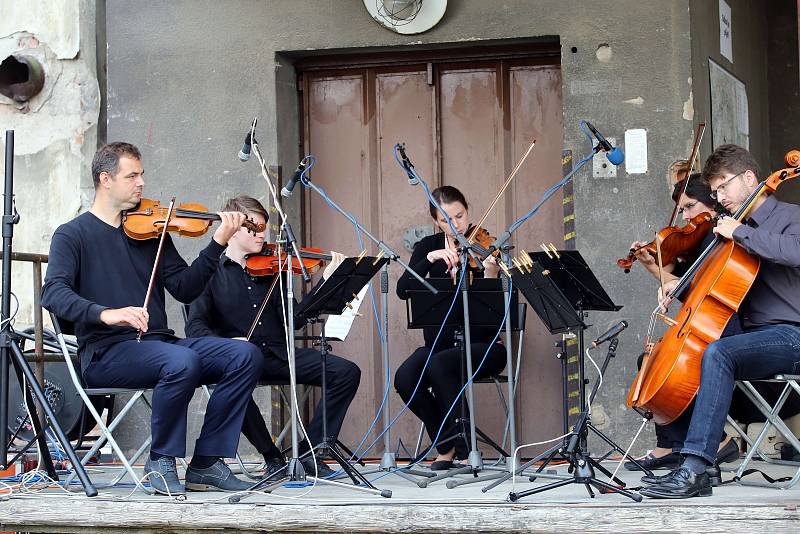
[155, 456]
[695, 464]
[202, 462]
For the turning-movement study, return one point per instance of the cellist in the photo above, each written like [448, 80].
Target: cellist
[770, 315]
[693, 198]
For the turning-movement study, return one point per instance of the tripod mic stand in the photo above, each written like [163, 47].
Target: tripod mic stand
[581, 465]
[10, 352]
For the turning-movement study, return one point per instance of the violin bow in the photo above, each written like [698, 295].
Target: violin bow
[698, 138]
[511, 176]
[157, 260]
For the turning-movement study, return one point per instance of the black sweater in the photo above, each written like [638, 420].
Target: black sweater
[438, 269]
[94, 266]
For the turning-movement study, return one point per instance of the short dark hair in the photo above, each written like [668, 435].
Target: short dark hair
[698, 189]
[732, 159]
[106, 159]
[246, 204]
[446, 194]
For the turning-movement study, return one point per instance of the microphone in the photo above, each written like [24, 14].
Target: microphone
[244, 153]
[611, 333]
[289, 187]
[407, 165]
[613, 153]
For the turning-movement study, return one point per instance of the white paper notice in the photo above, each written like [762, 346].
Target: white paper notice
[636, 151]
[725, 36]
[338, 326]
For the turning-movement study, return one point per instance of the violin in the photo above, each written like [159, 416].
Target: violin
[483, 239]
[675, 242]
[267, 262]
[146, 221]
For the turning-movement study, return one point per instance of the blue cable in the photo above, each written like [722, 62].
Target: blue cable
[466, 383]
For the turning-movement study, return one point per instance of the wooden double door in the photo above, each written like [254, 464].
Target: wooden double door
[466, 124]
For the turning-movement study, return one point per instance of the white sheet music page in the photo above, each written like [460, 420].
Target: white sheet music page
[338, 326]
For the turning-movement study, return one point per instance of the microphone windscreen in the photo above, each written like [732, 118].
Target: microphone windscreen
[616, 156]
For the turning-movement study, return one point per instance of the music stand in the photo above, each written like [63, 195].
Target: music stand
[332, 297]
[424, 309]
[561, 287]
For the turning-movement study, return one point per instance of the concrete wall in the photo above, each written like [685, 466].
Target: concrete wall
[186, 77]
[56, 131]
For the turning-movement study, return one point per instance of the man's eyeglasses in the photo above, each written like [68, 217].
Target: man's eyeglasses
[724, 185]
[687, 207]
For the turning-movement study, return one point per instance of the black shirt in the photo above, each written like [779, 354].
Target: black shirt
[228, 306]
[93, 266]
[438, 269]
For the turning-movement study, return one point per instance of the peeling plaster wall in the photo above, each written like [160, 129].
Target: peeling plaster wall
[56, 131]
[186, 77]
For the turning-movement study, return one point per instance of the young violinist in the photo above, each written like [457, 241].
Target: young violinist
[770, 315]
[97, 278]
[693, 199]
[437, 256]
[228, 307]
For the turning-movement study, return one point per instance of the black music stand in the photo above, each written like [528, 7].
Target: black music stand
[487, 309]
[332, 297]
[11, 354]
[561, 287]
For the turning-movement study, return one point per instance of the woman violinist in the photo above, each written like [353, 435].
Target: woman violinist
[227, 308]
[693, 199]
[770, 314]
[437, 256]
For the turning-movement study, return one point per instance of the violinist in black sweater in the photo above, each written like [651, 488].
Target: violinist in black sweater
[437, 256]
[97, 278]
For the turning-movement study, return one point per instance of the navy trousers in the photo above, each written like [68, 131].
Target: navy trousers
[341, 380]
[174, 369]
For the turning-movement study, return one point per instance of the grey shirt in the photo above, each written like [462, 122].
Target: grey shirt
[773, 234]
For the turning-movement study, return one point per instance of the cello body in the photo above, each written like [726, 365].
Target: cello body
[670, 375]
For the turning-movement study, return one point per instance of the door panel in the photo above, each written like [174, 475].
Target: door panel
[468, 129]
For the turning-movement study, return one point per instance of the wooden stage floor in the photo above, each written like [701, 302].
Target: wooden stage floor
[732, 508]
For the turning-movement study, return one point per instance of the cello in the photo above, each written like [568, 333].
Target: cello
[713, 289]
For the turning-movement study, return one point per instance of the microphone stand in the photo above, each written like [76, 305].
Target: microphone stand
[388, 461]
[294, 470]
[475, 461]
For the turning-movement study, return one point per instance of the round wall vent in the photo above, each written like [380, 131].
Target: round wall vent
[407, 16]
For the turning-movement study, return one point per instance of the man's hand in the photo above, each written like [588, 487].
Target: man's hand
[230, 222]
[725, 226]
[336, 259]
[132, 316]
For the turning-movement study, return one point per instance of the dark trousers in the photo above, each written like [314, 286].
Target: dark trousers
[342, 380]
[174, 369]
[440, 386]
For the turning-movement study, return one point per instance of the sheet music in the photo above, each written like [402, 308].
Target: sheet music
[338, 326]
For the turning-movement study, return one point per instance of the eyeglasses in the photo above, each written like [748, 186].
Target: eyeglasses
[687, 207]
[724, 185]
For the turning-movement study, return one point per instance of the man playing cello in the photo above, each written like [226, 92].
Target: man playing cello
[770, 315]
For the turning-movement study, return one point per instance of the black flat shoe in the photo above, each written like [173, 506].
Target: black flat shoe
[680, 484]
[668, 461]
[713, 472]
[442, 465]
[728, 453]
